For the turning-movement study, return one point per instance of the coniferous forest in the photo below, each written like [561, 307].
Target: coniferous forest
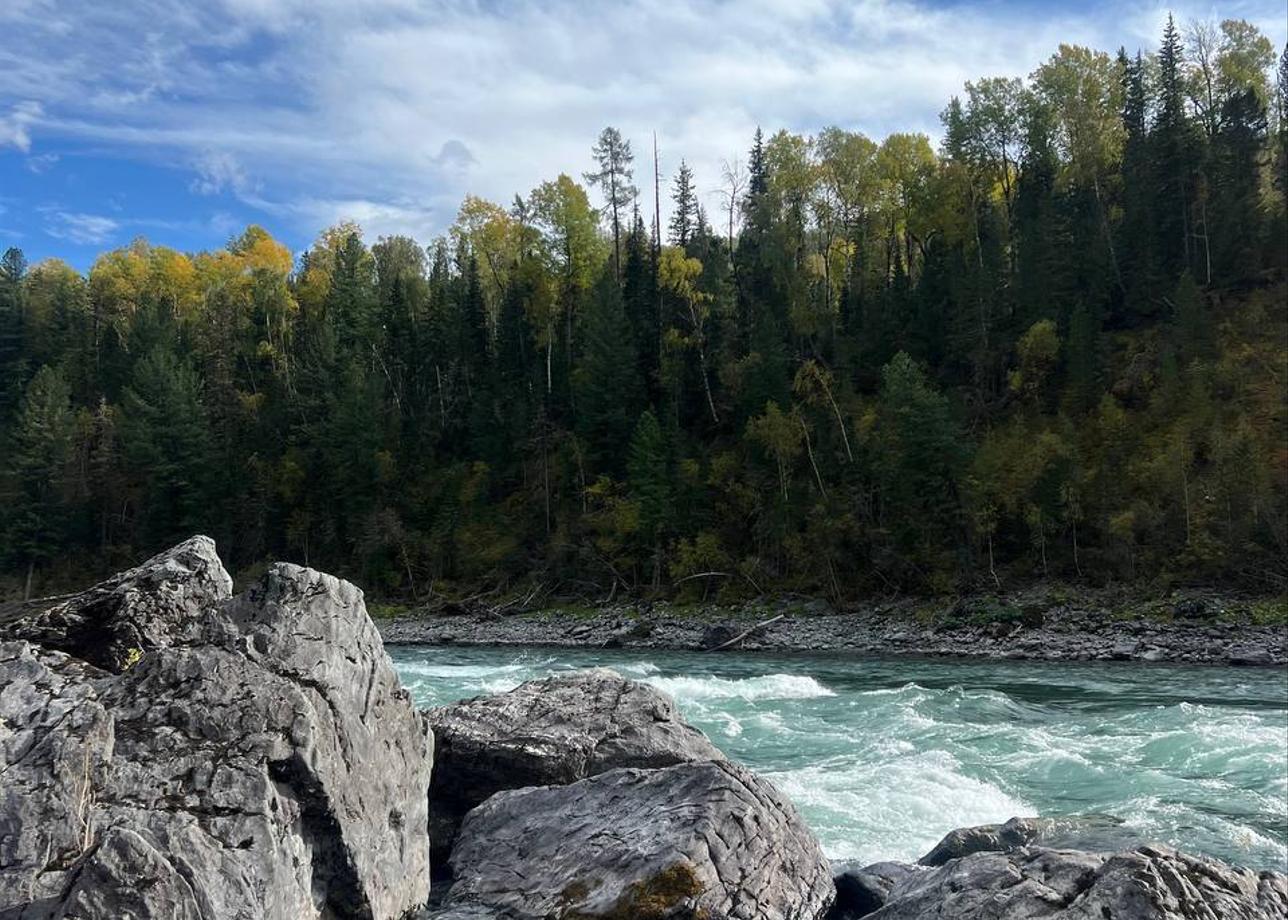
[1052, 345]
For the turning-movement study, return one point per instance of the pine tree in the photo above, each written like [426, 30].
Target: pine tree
[1175, 141]
[166, 442]
[684, 217]
[649, 476]
[608, 384]
[39, 511]
[13, 269]
[613, 154]
[1137, 226]
[1236, 225]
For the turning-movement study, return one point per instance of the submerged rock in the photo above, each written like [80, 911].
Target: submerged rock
[551, 732]
[693, 840]
[1148, 883]
[267, 764]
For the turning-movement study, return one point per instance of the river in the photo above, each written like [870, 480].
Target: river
[883, 756]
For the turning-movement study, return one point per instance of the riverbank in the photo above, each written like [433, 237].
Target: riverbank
[1040, 625]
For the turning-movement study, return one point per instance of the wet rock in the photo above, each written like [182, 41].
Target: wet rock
[551, 732]
[1249, 655]
[1080, 831]
[862, 890]
[160, 603]
[693, 840]
[265, 765]
[1148, 883]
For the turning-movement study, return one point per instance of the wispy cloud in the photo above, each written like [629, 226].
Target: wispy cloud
[389, 111]
[15, 127]
[82, 229]
[217, 171]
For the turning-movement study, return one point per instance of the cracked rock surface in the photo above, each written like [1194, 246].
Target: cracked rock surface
[551, 732]
[157, 604]
[263, 763]
[1147, 883]
[709, 840]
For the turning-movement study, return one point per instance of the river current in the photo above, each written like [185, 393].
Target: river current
[883, 756]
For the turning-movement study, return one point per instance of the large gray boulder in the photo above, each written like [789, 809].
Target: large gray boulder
[160, 603]
[709, 840]
[1147, 883]
[551, 732]
[266, 765]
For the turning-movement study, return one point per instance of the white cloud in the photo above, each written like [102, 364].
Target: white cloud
[390, 111]
[15, 128]
[42, 163]
[217, 171]
[82, 229]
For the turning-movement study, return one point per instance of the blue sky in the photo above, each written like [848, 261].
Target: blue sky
[183, 122]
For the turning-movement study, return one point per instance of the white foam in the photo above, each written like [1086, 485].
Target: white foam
[768, 687]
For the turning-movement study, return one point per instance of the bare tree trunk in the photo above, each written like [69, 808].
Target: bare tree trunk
[809, 449]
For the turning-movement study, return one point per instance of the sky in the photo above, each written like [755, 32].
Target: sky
[183, 122]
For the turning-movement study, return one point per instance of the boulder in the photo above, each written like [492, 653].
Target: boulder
[160, 603]
[551, 732]
[861, 890]
[693, 840]
[1148, 883]
[267, 764]
[719, 635]
[1076, 831]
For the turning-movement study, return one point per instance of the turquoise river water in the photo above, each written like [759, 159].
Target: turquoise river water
[883, 756]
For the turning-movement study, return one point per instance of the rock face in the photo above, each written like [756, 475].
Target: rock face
[551, 732]
[1148, 883]
[695, 840]
[1091, 832]
[155, 605]
[860, 890]
[266, 764]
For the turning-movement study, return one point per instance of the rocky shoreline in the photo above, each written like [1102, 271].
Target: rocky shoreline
[1189, 629]
[171, 751]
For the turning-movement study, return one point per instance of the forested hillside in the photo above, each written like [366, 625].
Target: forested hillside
[1054, 347]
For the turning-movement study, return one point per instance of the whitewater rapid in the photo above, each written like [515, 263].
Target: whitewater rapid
[883, 757]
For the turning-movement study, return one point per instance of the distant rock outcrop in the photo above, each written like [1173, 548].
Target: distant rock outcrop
[551, 732]
[255, 758]
[696, 840]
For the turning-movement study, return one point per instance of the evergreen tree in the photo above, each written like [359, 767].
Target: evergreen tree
[685, 216]
[614, 158]
[608, 384]
[1175, 143]
[166, 442]
[39, 507]
[650, 485]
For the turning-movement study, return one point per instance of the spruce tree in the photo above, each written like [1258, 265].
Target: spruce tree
[684, 217]
[38, 512]
[608, 383]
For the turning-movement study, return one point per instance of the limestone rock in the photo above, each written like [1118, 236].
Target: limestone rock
[694, 840]
[1148, 883]
[1087, 832]
[551, 732]
[160, 603]
[266, 765]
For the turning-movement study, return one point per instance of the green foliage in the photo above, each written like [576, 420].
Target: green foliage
[1053, 347]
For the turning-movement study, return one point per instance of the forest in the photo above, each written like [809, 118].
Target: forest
[1052, 345]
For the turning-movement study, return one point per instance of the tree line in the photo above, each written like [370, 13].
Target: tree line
[1053, 347]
